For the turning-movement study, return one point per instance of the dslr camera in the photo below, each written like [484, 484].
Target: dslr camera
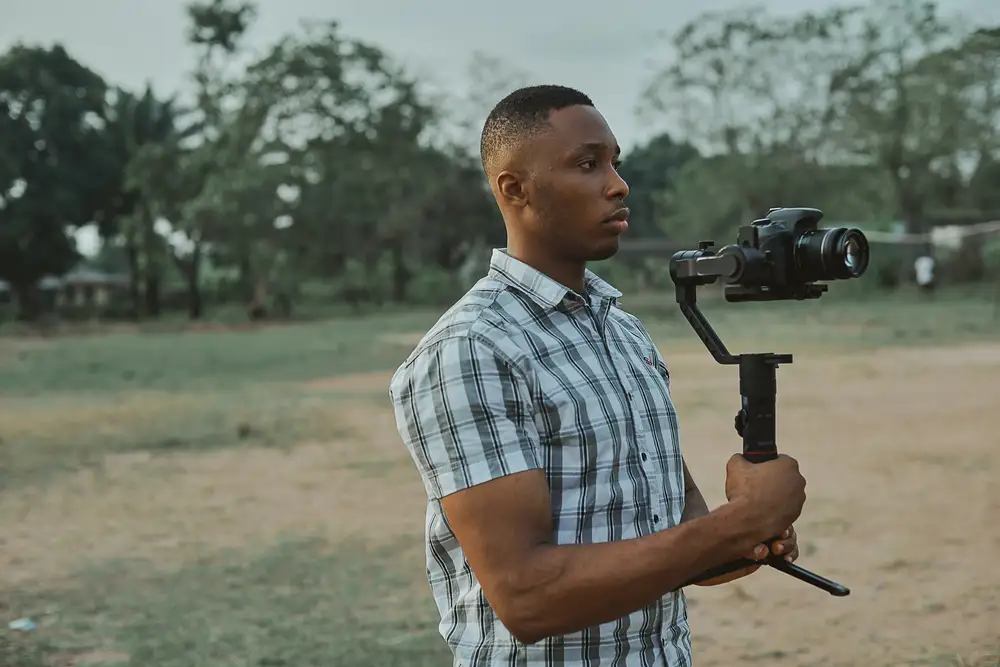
[785, 255]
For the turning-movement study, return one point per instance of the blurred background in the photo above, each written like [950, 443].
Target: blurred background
[223, 224]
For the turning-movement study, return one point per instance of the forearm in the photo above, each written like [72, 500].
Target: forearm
[567, 588]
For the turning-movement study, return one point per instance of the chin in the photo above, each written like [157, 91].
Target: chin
[604, 251]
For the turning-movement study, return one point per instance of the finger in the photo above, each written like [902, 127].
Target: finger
[782, 547]
[787, 548]
[791, 549]
[760, 551]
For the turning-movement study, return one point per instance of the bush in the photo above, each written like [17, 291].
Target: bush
[433, 286]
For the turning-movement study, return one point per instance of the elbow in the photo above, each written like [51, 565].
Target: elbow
[520, 622]
[528, 638]
[526, 602]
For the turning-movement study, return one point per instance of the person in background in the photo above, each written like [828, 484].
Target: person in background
[923, 268]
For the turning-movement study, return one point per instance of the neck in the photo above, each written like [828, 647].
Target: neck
[567, 272]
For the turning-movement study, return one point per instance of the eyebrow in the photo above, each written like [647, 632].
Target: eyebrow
[597, 146]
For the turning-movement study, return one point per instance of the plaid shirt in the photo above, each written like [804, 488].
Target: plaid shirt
[525, 373]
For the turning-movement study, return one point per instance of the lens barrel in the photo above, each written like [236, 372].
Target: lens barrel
[837, 253]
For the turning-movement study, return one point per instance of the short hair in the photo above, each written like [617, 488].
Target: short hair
[522, 113]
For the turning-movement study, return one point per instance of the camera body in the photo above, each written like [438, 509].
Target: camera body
[785, 255]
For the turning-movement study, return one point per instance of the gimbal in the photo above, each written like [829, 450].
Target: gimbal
[755, 422]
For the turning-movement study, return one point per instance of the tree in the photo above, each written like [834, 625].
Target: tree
[54, 166]
[650, 171]
[186, 178]
[350, 127]
[488, 79]
[981, 53]
[868, 112]
[899, 102]
[747, 90]
[135, 123]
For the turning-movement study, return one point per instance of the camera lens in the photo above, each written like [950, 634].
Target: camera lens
[831, 254]
[855, 253]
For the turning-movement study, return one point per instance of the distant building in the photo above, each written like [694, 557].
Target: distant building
[80, 289]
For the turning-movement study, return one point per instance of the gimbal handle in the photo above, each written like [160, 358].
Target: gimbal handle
[755, 422]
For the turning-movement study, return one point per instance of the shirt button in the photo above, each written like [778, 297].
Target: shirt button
[644, 457]
[656, 518]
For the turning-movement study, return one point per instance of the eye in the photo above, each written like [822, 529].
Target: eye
[616, 163]
[588, 164]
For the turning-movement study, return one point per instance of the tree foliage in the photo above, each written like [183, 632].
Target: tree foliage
[322, 163]
[54, 157]
[872, 111]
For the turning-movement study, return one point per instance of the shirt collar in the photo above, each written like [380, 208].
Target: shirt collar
[541, 287]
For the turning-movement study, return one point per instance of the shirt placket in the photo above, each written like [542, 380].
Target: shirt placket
[650, 466]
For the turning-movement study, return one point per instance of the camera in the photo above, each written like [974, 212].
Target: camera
[784, 255]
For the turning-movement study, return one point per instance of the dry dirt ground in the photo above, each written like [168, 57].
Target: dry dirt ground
[899, 447]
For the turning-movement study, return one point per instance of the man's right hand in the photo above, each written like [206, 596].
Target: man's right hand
[772, 492]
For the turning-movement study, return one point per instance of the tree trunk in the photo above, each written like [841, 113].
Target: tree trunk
[190, 268]
[28, 302]
[245, 279]
[154, 263]
[400, 274]
[194, 297]
[192, 272]
[258, 302]
[153, 301]
[910, 205]
[132, 253]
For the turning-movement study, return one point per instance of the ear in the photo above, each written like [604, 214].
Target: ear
[511, 189]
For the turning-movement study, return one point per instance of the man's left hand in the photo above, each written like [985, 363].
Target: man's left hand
[785, 546]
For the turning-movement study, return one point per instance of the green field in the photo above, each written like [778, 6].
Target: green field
[240, 498]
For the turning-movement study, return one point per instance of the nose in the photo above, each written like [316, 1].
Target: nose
[618, 188]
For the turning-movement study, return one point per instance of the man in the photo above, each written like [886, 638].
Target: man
[923, 267]
[562, 521]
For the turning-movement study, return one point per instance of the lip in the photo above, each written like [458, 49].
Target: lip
[621, 215]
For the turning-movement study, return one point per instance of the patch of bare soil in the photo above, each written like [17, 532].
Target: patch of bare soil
[361, 383]
[899, 448]
[170, 509]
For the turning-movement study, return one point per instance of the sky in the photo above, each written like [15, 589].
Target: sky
[608, 52]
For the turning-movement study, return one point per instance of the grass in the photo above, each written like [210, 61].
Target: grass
[217, 360]
[231, 498]
[298, 603]
[839, 321]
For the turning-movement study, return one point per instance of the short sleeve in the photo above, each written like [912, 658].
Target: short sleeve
[465, 415]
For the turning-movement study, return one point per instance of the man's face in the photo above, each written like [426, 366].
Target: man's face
[575, 197]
